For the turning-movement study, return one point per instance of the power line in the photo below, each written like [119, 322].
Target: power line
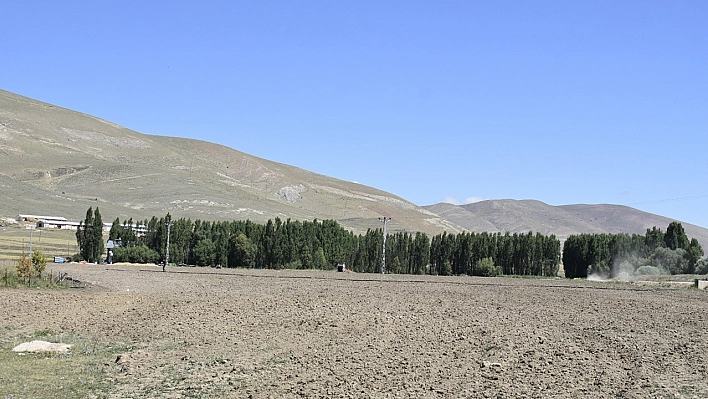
[669, 200]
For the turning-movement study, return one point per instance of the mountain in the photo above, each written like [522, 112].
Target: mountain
[521, 216]
[58, 162]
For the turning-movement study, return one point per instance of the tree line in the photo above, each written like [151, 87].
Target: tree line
[322, 245]
[485, 254]
[611, 255]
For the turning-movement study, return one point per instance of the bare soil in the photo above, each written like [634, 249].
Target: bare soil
[195, 332]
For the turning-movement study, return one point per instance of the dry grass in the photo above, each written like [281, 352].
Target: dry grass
[82, 373]
[15, 239]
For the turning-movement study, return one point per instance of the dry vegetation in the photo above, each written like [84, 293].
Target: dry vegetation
[15, 238]
[195, 332]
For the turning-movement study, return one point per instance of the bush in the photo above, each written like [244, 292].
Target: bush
[702, 266]
[294, 265]
[648, 271]
[486, 268]
[672, 260]
[24, 267]
[139, 254]
[446, 269]
[39, 262]
[9, 278]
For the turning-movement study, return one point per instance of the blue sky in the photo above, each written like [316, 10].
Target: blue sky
[560, 101]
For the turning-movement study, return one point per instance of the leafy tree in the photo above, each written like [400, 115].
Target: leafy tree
[613, 254]
[89, 236]
[83, 237]
[319, 261]
[39, 262]
[654, 239]
[136, 254]
[116, 230]
[702, 266]
[395, 265]
[446, 269]
[24, 267]
[204, 253]
[242, 252]
[671, 260]
[486, 268]
[694, 252]
[675, 236]
[97, 236]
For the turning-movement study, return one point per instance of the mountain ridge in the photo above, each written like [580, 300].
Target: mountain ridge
[521, 216]
[55, 161]
[60, 161]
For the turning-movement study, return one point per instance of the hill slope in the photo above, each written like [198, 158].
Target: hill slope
[54, 161]
[520, 216]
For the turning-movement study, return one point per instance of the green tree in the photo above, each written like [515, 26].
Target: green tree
[702, 266]
[675, 236]
[654, 239]
[446, 269]
[24, 267]
[84, 237]
[205, 253]
[242, 252]
[486, 268]
[671, 260]
[319, 261]
[89, 236]
[136, 254]
[39, 262]
[97, 236]
[694, 252]
[116, 230]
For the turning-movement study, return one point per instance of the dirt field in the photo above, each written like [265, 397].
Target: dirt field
[194, 332]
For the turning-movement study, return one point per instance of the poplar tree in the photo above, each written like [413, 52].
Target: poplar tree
[89, 236]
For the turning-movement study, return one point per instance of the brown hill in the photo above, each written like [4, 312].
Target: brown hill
[520, 216]
[54, 161]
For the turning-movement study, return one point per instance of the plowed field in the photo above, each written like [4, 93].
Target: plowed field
[194, 332]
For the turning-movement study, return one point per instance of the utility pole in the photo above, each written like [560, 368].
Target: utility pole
[31, 231]
[167, 250]
[385, 220]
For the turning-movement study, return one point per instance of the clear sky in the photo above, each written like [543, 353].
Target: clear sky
[560, 101]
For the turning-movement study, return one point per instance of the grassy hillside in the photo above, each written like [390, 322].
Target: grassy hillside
[58, 162]
[55, 161]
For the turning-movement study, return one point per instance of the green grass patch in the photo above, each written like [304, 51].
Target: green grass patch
[10, 279]
[84, 372]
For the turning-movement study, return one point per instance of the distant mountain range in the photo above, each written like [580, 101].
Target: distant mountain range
[530, 215]
[58, 162]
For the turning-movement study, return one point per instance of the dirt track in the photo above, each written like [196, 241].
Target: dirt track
[194, 332]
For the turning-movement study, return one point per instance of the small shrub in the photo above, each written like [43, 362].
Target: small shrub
[294, 265]
[24, 267]
[648, 271]
[486, 268]
[39, 262]
[702, 266]
[9, 277]
[137, 254]
[446, 269]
